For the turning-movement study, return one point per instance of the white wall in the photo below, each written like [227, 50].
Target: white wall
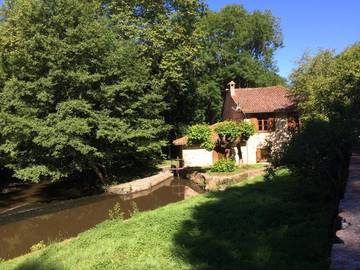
[249, 150]
[257, 141]
[197, 158]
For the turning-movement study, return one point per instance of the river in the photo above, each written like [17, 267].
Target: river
[27, 221]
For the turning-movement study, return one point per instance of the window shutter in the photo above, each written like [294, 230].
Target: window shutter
[258, 155]
[254, 121]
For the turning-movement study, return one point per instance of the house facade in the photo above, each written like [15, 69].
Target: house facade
[268, 108]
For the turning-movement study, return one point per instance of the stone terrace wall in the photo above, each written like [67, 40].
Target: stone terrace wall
[346, 255]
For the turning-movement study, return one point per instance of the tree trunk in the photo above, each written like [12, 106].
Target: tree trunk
[101, 173]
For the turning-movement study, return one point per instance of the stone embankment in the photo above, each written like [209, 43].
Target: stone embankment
[141, 184]
[212, 182]
[346, 254]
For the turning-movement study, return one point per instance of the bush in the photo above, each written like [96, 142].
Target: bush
[200, 134]
[224, 165]
[116, 212]
[276, 144]
[38, 246]
[319, 154]
[247, 129]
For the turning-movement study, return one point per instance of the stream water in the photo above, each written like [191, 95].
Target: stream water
[27, 222]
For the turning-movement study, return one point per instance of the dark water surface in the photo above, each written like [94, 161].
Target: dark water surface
[21, 228]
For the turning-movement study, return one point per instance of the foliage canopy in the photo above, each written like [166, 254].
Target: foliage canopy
[327, 89]
[200, 134]
[98, 84]
[74, 95]
[233, 132]
[236, 45]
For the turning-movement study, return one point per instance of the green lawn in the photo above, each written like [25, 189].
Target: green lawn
[255, 225]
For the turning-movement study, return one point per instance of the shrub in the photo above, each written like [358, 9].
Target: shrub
[116, 212]
[135, 209]
[200, 134]
[319, 153]
[38, 246]
[224, 165]
[276, 144]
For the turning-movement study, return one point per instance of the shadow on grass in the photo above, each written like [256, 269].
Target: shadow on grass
[277, 224]
[39, 263]
[37, 266]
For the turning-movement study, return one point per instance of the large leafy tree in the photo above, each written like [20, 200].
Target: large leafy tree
[192, 52]
[165, 32]
[74, 94]
[327, 86]
[237, 45]
[312, 82]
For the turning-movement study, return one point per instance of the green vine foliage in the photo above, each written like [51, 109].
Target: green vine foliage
[247, 129]
[233, 131]
[200, 134]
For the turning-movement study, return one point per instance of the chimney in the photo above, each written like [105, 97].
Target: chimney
[232, 88]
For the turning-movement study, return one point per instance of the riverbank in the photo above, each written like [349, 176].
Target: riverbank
[253, 225]
[20, 197]
[142, 184]
[212, 181]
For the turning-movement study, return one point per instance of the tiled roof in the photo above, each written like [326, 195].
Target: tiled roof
[263, 99]
[181, 141]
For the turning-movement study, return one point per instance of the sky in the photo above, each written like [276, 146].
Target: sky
[306, 25]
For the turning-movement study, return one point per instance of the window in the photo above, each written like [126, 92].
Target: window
[264, 122]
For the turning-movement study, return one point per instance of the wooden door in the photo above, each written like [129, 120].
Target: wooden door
[258, 155]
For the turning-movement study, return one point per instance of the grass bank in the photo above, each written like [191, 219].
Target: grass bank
[255, 225]
[238, 169]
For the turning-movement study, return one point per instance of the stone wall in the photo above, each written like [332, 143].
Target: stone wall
[346, 253]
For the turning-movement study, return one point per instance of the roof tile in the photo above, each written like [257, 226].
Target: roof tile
[263, 99]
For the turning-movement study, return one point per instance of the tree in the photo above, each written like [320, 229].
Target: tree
[74, 94]
[311, 84]
[192, 53]
[231, 134]
[164, 31]
[236, 45]
[326, 86]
